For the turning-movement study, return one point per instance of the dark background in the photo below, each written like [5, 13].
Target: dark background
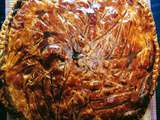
[156, 13]
[2, 17]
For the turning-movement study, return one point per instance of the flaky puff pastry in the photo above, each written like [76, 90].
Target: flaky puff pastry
[78, 59]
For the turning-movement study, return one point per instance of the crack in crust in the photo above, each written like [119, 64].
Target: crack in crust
[80, 60]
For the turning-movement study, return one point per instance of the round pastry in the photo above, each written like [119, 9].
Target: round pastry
[78, 60]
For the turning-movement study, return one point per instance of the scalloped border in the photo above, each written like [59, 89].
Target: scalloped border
[157, 54]
[3, 31]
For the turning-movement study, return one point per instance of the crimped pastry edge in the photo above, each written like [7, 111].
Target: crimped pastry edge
[157, 54]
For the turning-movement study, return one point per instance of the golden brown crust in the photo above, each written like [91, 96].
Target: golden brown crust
[81, 60]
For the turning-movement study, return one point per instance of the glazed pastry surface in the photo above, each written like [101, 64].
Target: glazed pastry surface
[79, 59]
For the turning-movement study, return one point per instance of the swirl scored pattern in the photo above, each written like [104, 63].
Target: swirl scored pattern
[79, 60]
